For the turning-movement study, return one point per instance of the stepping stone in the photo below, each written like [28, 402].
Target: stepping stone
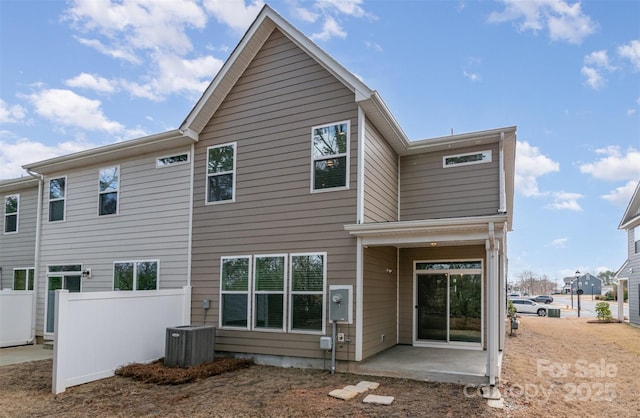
[379, 400]
[498, 404]
[491, 392]
[343, 394]
[368, 385]
[358, 389]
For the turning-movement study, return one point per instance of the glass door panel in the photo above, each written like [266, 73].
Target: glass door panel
[55, 283]
[465, 296]
[431, 306]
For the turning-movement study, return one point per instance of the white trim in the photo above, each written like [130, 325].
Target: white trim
[103, 192]
[58, 199]
[359, 300]
[283, 292]
[173, 163]
[346, 155]
[222, 292]
[323, 292]
[486, 158]
[233, 173]
[17, 214]
[134, 285]
[502, 176]
[361, 165]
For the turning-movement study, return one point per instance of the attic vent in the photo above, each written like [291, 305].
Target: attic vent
[172, 160]
[466, 159]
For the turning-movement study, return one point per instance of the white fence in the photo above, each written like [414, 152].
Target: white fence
[97, 332]
[16, 315]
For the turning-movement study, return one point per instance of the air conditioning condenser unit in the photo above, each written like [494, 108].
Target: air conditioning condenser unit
[189, 345]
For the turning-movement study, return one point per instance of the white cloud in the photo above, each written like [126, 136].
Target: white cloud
[306, 14]
[347, 7]
[595, 80]
[67, 108]
[596, 64]
[119, 52]
[330, 29]
[374, 46]
[11, 114]
[559, 242]
[631, 51]
[565, 201]
[91, 82]
[234, 13]
[471, 75]
[621, 196]
[599, 59]
[614, 165]
[564, 21]
[16, 153]
[531, 164]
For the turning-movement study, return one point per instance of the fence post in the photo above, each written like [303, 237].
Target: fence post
[60, 337]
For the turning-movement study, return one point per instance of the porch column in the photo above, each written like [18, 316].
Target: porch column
[492, 309]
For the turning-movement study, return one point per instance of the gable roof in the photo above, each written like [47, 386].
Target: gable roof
[631, 216]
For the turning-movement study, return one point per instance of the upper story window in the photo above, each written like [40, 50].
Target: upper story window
[109, 186]
[330, 156]
[135, 275]
[221, 173]
[172, 160]
[636, 239]
[57, 193]
[11, 213]
[466, 159]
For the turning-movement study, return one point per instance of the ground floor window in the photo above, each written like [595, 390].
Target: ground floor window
[135, 275]
[275, 292]
[23, 278]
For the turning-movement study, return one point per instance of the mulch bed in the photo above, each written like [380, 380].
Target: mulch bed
[160, 374]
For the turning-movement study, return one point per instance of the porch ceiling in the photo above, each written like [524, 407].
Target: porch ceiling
[442, 232]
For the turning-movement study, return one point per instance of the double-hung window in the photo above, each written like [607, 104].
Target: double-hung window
[636, 239]
[57, 195]
[235, 275]
[11, 204]
[135, 275]
[308, 281]
[109, 185]
[221, 173]
[270, 272]
[23, 278]
[330, 156]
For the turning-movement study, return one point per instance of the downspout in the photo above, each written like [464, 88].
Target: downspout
[503, 192]
[361, 166]
[36, 256]
[359, 300]
[190, 232]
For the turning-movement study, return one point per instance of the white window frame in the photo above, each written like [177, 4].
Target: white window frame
[486, 158]
[160, 164]
[16, 214]
[323, 292]
[636, 239]
[26, 270]
[117, 191]
[255, 292]
[236, 292]
[324, 157]
[62, 199]
[232, 172]
[135, 274]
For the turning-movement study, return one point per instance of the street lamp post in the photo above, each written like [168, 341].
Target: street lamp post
[578, 290]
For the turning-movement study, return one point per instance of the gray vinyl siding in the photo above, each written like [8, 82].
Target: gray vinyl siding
[269, 114]
[406, 290]
[380, 178]
[379, 310]
[152, 224]
[634, 279]
[17, 250]
[429, 191]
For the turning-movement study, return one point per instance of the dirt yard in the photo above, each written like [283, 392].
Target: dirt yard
[552, 367]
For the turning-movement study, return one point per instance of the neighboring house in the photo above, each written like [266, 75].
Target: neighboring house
[588, 283]
[18, 232]
[305, 185]
[630, 270]
[114, 218]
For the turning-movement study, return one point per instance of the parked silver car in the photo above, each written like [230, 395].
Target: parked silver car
[542, 299]
[529, 306]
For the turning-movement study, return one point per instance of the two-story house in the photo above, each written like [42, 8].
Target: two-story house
[630, 270]
[114, 218]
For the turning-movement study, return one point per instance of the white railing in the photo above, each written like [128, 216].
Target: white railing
[16, 314]
[97, 332]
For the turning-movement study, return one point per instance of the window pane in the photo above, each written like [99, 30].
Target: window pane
[108, 203]
[234, 310]
[123, 276]
[235, 274]
[56, 210]
[307, 273]
[19, 279]
[306, 312]
[330, 173]
[10, 204]
[330, 140]
[220, 159]
[269, 273]
[269, 311]
[109, 179]
[31, 279]
[72, 267]
[11, 223]
[220, 187]
[56, 188]
[147, 275]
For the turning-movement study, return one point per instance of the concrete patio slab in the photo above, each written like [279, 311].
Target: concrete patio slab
[23, 354]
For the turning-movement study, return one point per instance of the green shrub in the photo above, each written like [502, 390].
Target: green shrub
[603, 310]
[511, 310]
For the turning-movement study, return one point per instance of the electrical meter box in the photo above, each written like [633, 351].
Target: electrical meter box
[340, 303]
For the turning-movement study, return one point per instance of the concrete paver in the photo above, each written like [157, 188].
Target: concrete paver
[23, 354]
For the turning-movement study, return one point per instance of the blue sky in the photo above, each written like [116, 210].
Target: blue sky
[84, 73]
